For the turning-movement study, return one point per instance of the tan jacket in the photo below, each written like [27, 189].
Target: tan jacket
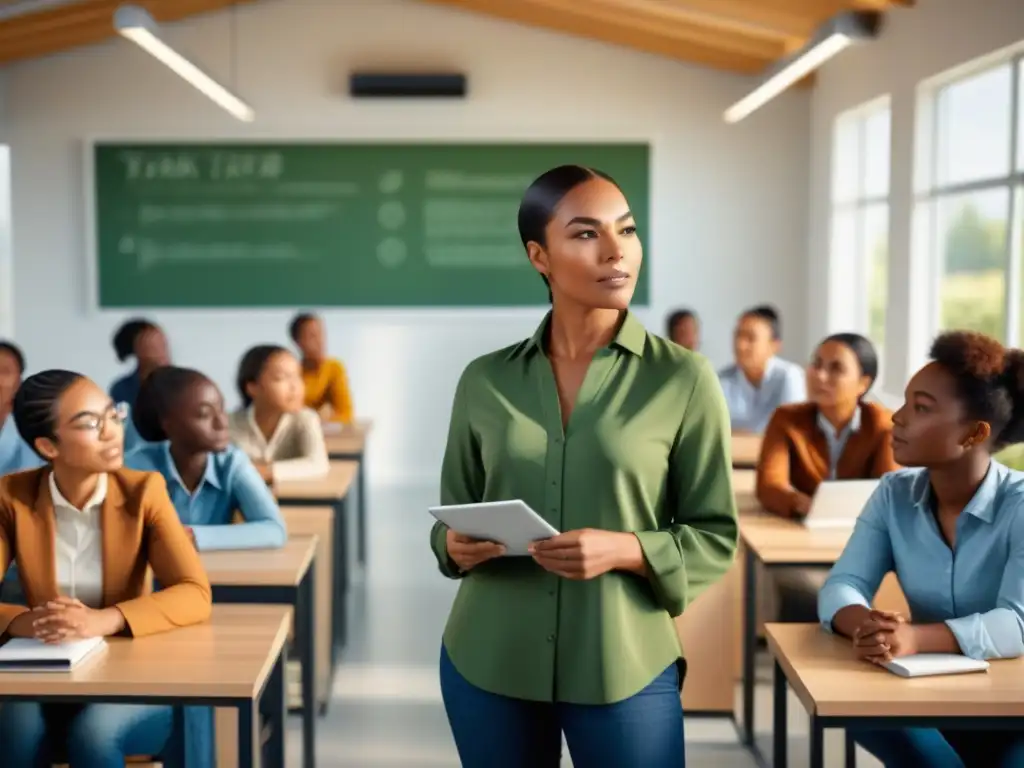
[139, 527]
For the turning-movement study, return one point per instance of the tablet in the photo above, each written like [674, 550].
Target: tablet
[927, 664]
[838, 503]
[512, 523]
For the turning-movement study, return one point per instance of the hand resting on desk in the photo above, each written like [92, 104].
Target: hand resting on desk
[66, 619]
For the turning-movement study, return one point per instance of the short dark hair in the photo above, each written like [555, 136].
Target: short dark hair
[863, 350]
[989, 381]
[542, 198]
[770, 315]
[36, 403]
[678, 316]
[12, 349]
[157, 396]
[295, 326]
[128, 333]
[251, 367]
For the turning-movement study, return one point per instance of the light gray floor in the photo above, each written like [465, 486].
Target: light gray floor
[386, 709]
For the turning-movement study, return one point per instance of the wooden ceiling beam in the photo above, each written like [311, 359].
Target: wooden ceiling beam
[65, 27]
[604, 21]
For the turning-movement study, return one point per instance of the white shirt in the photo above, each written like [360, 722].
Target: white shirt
[79, 545]
[296, 450]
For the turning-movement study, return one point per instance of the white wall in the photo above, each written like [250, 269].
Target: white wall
[6, 261]
[916, 44]
[729, 204]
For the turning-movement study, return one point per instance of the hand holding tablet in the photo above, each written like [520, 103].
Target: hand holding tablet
[512, 524]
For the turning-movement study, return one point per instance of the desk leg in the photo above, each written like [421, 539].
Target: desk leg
[246, 730]
[851, 750]
[749, 643]
[780, 732]
[339, 589]
[361, 490]
[305, 627]
[273, 705]
[817, 743]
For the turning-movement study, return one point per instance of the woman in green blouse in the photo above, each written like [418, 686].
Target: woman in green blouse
[618, 438]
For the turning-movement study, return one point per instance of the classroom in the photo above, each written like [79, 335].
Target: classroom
[268, 329]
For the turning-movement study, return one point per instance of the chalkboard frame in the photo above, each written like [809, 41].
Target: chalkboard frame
[93, 304]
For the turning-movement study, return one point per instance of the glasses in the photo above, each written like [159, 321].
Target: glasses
[97, 422]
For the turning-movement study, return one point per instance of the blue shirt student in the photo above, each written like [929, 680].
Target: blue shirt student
[750, 407]
[229, 484]
[976, 588]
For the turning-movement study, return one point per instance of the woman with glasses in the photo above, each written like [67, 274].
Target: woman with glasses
[53, 521]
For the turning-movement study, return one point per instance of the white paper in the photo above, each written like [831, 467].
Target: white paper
[926, 664]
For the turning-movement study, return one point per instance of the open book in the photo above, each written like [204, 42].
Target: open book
[924, 664]
[25, 654]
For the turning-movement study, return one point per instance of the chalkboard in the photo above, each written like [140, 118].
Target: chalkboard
[329, 224]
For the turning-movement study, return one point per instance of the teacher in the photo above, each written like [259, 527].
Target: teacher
[618, 438]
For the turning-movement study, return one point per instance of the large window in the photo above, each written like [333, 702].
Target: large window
[974, 193]
[860, 213]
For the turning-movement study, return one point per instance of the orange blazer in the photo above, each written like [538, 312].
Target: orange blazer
[794, 454]
[139, 529]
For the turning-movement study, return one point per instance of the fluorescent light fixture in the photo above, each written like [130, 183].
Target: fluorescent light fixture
[135, 24]
[834, 36]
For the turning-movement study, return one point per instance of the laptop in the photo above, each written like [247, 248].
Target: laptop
[838, 503]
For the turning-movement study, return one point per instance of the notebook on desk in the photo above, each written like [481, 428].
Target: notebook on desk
[925, 664]
[838, 503]
[24, 654]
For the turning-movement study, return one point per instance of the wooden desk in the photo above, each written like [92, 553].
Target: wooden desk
[234, 660]
[746, 449]
[349, 444]
[329, 491]
[839, 691]
[319, 522]
[276, 576]
[771, 542]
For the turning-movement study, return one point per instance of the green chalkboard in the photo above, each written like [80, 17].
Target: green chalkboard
[329, 224]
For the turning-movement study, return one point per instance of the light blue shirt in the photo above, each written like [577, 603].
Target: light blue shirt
[750, 407]
[976, 589]
[229, 484]
[837, 440]
[15, 453]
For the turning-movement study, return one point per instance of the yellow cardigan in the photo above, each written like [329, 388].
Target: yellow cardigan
[328, 385]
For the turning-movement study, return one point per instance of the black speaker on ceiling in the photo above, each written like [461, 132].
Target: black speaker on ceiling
[384, 85]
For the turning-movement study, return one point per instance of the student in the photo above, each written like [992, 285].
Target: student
[759, 381]
[326, 383]
[283, 438]
[146, 342]
[952, 530]
[683, 327]
[181, 412]
[633, 466]
[52, 521]
[833, 436]
[15, 453]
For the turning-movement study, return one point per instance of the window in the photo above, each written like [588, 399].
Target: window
[860, 215]
[973, 197]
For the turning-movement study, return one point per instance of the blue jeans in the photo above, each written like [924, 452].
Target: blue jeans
[492, 731]
[932, 748]
[86, 736]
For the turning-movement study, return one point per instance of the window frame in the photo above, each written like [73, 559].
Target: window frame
[859, 206]
[930, 194]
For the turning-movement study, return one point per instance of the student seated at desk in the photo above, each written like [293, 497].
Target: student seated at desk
[180, 413]
[15, 453]
[146, 342]
[759, 381]
[284, 439]
[833, 436]
[54, 522]
[683, 328]
[952, 529]
[324, 377]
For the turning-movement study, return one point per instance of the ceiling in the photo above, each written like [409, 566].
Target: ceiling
[734, 35]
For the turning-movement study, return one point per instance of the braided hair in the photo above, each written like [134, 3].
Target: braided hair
[36, 404]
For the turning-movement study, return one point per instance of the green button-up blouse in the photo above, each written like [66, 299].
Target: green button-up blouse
[646, 450]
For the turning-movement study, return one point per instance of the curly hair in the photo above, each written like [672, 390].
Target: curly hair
[989, 380]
